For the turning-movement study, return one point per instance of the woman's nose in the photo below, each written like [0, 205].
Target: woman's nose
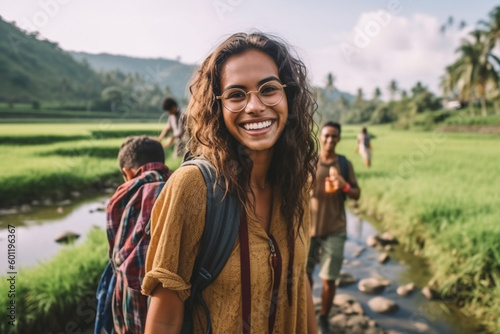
[254, 104]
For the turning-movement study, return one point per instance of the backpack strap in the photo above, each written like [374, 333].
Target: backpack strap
[221, 229]
[246, 296]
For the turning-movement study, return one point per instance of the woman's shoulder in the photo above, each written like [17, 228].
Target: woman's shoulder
[189, 171]
[187, 179]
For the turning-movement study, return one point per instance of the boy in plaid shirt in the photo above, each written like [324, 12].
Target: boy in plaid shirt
[121, 306]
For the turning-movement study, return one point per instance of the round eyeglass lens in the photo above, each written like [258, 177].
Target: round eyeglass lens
[236, 99]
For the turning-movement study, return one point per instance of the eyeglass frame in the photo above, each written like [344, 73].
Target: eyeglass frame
[253, 91]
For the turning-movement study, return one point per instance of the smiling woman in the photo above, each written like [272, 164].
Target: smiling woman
[261, 117]
[250, 116]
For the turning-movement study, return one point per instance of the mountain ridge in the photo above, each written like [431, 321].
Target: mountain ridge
[162, 71]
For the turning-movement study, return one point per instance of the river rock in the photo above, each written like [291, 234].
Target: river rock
[64, 202]
[339, 320]
[384, 281]
[11, 211]
[383, 258]
[65, 237]
[421, 326]
[357, 308]
[353, 309]
[356, 263]
[387, 238]
[405, 290]
[347, 305]
[358, 251]
[429, 293]
[382, 305]
[371, 286]
[371, 241]
[343, 300]
[357, 320]
[47, 202]
[75, 194]
[356, 329]
[374, 330]
[346, 279]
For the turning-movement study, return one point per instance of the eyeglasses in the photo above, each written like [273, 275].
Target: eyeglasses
[236, 99]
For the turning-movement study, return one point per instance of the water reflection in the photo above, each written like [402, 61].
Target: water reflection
[36, 230]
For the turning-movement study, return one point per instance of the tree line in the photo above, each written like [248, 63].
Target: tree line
[471, 82]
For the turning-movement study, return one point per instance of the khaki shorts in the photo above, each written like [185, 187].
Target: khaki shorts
[328, 252]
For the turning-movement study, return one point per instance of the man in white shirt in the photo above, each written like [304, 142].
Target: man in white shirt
[174, 125]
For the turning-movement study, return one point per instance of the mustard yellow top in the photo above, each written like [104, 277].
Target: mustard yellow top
[178, 219]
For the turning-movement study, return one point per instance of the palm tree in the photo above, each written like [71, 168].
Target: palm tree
[330, 82]
[377, 94]
[474, 71]
[492, 27]
[417, 89]
[447, 84]
[393, 89]
[359, 97]
[450, 21]
[404, 94]
[343, 104]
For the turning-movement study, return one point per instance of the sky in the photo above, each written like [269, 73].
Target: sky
[363, 43]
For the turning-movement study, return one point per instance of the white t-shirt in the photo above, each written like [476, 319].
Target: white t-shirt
[175, 123]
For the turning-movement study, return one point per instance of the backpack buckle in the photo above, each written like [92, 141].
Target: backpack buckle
[205, 274]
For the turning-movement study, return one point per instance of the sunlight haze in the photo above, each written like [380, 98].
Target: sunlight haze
[364, 43]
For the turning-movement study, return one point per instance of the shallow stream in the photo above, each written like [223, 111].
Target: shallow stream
[36, 230]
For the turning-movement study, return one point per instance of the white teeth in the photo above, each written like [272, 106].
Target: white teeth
[257, 126]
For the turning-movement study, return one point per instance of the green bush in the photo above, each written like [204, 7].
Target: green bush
[463, 119]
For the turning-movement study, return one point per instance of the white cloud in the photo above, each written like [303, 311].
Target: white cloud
[375, 51]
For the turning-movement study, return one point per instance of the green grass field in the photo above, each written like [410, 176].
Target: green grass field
[51, 160]
[438, 192]
[55, 113]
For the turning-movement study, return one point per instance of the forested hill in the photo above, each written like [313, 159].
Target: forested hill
[162, 72]
[32, 68]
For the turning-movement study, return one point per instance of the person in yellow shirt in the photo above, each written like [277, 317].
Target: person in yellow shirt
[251, 117]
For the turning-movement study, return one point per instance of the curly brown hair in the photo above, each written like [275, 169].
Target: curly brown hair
[294, 154]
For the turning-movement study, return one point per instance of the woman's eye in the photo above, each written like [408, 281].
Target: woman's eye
[266, 90]
[236, 95]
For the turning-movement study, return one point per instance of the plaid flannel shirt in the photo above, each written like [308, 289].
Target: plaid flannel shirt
[128, 213]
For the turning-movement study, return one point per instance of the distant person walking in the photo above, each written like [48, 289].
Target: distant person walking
[364, 147]
[175, 125]
[335, 181]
